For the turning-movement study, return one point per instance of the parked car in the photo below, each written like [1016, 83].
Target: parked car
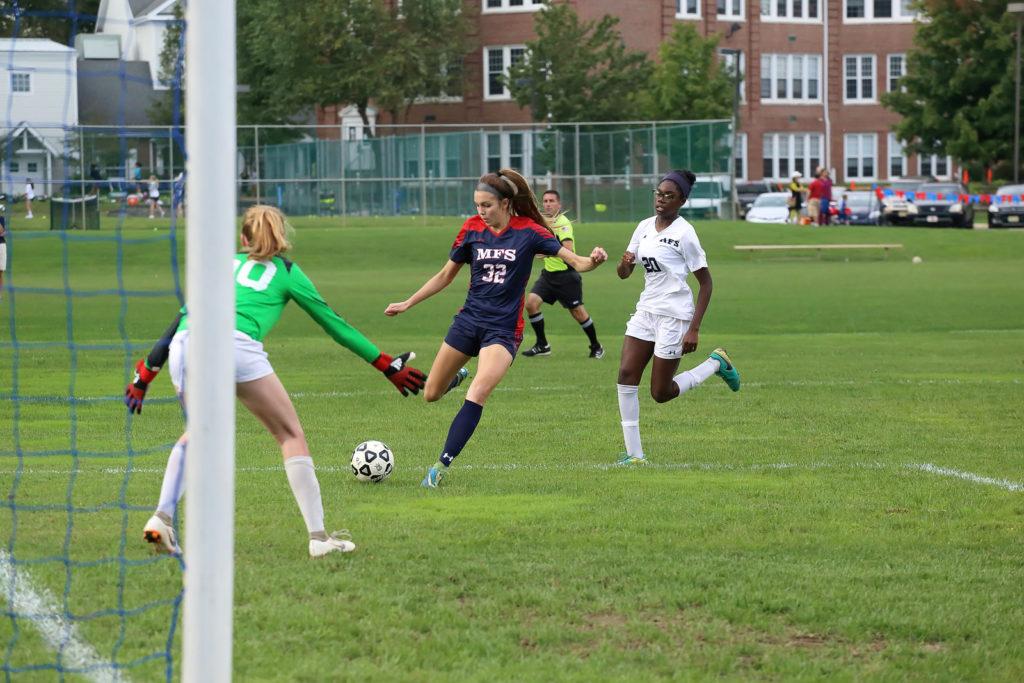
[706, 196]
[943, 204]
[746, 193]
[863, 208]
[770, 207]
[897, 210]
[1007, 213]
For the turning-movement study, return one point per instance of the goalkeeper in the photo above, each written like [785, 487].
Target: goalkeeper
[264, 283]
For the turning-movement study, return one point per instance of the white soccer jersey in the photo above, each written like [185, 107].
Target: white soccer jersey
[667, 257]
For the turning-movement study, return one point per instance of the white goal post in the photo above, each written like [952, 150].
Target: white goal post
[210, 381]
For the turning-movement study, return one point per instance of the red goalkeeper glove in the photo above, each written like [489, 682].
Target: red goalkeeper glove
[135, 392]
[398, 371]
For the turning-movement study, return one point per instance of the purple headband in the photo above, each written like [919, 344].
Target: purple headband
[681, 182]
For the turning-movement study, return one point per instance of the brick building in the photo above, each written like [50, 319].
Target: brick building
[813, 72]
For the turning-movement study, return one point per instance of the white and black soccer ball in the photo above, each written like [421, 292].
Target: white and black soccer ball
[372, 461]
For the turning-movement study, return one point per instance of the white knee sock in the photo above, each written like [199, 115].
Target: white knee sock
[696, 376]
[629, 411]
[174, 481]
[302, 479]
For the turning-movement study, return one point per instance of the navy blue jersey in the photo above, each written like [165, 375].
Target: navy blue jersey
[500, 268]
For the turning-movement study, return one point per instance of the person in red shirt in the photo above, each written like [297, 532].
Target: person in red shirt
[815, 191]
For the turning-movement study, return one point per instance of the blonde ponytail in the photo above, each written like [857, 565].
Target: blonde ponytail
[266, 230]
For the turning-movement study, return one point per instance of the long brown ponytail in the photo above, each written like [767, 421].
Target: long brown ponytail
[509, 184]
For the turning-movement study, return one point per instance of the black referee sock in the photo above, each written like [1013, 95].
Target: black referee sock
[588, 327]
[537, 323]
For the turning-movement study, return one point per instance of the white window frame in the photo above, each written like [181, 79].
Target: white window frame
[506, 59]
[726, 58]
[872, 139]
[774, 17]
[19, 74]
[859, 79]
[504, 151]
[507, 8]
[13, 167]
[789, 60]
[741, 156]
[889, 73]
[682, 12]
[900, 15]
[733, 5]
[934, 159]
[894, 145]
[787, 143]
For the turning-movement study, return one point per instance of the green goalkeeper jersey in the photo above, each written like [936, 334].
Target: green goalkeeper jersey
[263, 288]
[562, 228]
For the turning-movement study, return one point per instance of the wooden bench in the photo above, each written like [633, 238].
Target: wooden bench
[819, 248]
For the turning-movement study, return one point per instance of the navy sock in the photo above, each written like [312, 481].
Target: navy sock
[591, 331]
[462, 428]
[537, 323]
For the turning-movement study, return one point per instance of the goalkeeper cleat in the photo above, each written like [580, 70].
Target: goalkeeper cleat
[161, 535]
[625, 459]
[726, 370]
[337, 542]
[434, 476]
[538, 350]
[460, 377]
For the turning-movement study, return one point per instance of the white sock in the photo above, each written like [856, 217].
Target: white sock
[302, 479]
[629, 411]
[696, 376]
[174, 480]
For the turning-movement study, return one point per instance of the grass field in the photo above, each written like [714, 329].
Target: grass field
[855, 512]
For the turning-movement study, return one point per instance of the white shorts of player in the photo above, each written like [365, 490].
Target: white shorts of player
[3, 256]
[665, 331]
[251, 361]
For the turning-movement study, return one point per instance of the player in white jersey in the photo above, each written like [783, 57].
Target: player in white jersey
[666, 322]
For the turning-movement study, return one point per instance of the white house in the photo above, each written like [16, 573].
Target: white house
[141, 25]
[38, 112]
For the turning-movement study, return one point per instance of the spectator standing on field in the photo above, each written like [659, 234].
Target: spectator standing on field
[137, 177]
[796, 198]
[826, 197]
[3, 251]
[154, 197]
[30, 194]
[178, 195]
[814, 194]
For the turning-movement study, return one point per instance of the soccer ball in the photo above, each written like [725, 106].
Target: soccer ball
[133, 200]
[372, 461]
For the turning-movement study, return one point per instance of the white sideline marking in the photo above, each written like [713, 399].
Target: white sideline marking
[967, 476]
[61, 634]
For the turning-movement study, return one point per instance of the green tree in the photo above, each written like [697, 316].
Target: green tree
[689, 81]
[58, 20]
[578, 71]
[172, 72]
[957, 96]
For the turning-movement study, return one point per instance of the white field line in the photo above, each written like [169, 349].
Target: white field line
[967, 476]
[61, 634]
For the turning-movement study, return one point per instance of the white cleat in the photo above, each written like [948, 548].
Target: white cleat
[161, 535]
[337, 542]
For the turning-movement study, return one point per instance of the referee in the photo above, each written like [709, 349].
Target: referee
[558, 282]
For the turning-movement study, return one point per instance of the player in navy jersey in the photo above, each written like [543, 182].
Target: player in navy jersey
[499, 244]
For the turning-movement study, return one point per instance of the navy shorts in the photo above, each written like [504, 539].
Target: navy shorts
[469, 337]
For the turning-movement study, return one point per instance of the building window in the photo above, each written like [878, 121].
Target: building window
[32, 167]
[687, 9]
[512, 5]
[790, 78]
[859, 78]
[508, 150]
[786, 153]
[879, 10]
[935, 165]
[21, 82]
[13, 167]
[729, 9]
[897, 158]
[498, 61]
[861, 150]
[729, 60]
[741, 156]
[790, 10]
[897, 69]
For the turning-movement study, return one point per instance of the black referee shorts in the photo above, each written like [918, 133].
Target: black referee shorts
[563, 286]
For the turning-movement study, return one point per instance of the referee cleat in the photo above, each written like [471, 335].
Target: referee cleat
[597, 351]
[726, 370]
[460, 377]
[538, 350]
[337, 542]
[625, 459]
[160, 533]
[434, 476]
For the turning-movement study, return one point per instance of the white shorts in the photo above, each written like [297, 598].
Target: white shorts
[3, 256]
[251, 361]
[665, 331]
